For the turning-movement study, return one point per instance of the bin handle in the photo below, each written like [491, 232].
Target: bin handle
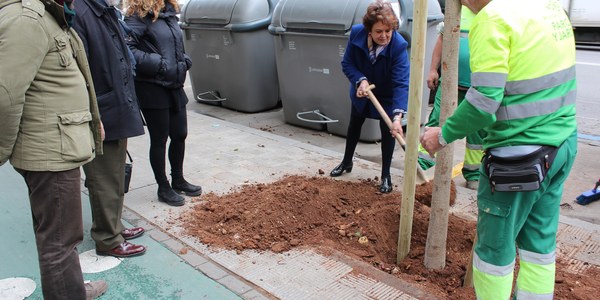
[258, 24]
[325, 118]
[213, 94]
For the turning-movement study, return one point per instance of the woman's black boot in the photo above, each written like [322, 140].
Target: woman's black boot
[337, 171]
[182, 186]
[386, 184]
[168, 196]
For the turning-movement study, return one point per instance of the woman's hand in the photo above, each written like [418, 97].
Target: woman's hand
[361, 91]
[397, 127]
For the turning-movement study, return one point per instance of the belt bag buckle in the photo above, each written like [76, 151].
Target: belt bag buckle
[519, 174]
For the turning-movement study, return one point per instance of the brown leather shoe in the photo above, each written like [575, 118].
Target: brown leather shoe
[132, 233]
[125, 249]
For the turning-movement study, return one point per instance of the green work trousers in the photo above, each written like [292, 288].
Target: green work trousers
[104, 178]
[524, 220]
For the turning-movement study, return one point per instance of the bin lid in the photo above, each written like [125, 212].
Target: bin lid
[223, 12]
[336, 15]
[434, 11]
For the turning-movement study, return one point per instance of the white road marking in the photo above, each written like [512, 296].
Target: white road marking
[92, 263]
[16, 288]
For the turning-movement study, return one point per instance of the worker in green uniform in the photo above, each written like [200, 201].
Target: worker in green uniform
[523, 92]
[474, 150]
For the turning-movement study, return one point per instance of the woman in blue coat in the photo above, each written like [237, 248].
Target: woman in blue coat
[376, 54]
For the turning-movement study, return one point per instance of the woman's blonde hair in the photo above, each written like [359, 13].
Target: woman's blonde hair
[143, 7]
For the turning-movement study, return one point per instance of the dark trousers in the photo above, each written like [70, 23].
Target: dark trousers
[387, 143]
[55, 199]
[104, 177]
[162, 124]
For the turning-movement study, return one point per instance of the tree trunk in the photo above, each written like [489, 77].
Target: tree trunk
[435, 249]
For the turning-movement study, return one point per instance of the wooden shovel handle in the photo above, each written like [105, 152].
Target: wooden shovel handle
[387, 120]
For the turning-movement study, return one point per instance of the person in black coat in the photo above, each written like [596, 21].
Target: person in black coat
[157, 45]
[97, 23]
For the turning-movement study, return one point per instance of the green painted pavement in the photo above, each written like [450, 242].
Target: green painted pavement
[158, 274]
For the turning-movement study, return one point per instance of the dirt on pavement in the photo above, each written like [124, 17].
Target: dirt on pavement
[355, 219]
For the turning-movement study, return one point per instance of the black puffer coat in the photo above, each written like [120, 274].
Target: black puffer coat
[158, 48]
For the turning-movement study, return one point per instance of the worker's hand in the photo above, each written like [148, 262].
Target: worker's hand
[361, 91]
[430, 141]
[433, 79]
[397, 128]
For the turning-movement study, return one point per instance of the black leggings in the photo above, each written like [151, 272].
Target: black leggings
[387, 143]
[163, 124]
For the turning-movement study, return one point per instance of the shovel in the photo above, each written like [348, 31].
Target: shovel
[420, 173]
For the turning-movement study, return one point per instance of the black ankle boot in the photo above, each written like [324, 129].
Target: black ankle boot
[386, 184]
[168, 196]
[182, 186]
[337, 171]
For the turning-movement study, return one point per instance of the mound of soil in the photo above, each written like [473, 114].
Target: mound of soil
[351, 217]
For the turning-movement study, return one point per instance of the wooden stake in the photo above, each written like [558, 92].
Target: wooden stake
[415, 94]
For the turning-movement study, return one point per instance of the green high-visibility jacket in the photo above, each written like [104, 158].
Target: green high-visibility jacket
[523, 77]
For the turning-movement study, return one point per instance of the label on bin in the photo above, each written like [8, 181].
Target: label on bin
[292, 45]
[324, 70]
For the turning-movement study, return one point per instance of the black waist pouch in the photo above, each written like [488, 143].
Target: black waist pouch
[519, 173]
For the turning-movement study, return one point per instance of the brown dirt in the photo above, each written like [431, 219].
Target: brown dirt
[355, 219]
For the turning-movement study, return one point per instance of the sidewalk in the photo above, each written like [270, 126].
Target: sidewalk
[220, 156]
[159, 274]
